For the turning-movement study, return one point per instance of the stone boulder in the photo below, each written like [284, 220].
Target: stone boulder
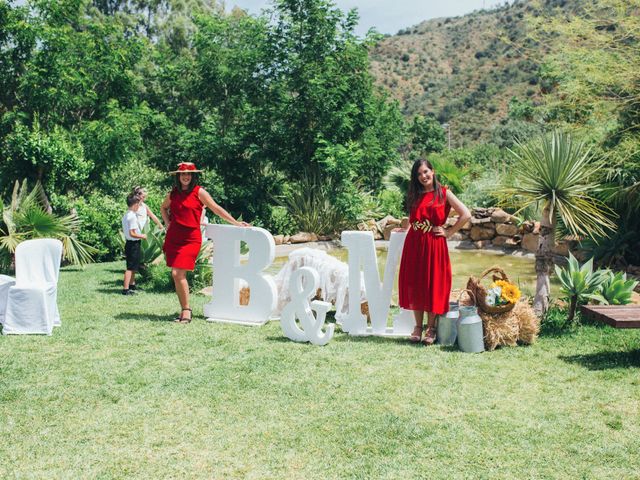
[405, 222]
[561, 248]
[371, 226]
[450, 221]
[500, 216]
[480, 221]
[536, 228]
[467, 226]
[303, 237]
[387, 231]
[506, 229]
[480, 244]
[530, 242]
[505, 241]
[388, 220]
[481, 233]
[480, 212]
[278, 239]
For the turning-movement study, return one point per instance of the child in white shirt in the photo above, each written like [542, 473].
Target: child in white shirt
[133, 235]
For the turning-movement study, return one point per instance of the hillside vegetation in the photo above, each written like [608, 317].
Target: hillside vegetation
[465, 70]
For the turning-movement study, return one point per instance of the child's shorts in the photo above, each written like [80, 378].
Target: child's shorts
[132, 253]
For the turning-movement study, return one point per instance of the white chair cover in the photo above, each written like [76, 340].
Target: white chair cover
[32, 302]
[5, 283]
[334, 279]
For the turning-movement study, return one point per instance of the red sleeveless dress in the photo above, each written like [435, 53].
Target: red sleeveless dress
[184, 238]
[425, 269]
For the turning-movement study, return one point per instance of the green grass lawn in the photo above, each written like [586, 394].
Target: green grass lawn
[119, 391]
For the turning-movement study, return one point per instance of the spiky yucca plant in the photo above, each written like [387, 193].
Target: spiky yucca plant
[561, 175]
[25, 217]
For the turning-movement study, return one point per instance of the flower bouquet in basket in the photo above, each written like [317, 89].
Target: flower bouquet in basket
[500, 297]
[502, 293]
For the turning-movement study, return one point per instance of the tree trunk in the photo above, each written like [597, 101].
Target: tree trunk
[572, 308]
[544, 261]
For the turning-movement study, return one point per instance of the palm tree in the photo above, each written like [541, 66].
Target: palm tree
[560, 174]
[25, 217]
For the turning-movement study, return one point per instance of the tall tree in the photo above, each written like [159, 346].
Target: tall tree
[560, 175]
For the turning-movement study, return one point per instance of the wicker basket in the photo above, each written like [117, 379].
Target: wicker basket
[480, 293]
[472, 296]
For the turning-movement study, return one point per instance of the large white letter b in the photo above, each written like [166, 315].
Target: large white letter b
[227, 272]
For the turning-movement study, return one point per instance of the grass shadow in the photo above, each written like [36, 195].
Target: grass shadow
[276, 339]
[115, 270]
[149, 317]
[114, 290]
[345, 337]
[605, 360]
[448, 348]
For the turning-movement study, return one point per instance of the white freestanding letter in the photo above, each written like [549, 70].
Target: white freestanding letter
[303, 285]
[362, 252]
[227, 272]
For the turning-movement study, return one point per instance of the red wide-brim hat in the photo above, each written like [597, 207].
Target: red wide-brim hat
[186, 167]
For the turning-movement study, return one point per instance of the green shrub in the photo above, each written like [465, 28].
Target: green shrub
[281, 222]
[157, 278]
[101, 222]
[479, 192]
[579, 283]
[615, 290]
[392, 203]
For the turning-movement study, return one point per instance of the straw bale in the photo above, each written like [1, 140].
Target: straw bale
[500, 329]
[529, 322]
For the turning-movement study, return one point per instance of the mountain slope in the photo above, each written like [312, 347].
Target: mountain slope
[465, 70]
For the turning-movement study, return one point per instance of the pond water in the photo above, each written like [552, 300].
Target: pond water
[464, 263]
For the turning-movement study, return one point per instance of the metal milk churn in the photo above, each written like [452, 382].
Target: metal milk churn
[448, 325]
[470, 337]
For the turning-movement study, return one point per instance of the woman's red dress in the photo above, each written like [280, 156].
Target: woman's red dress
[184, 237]
[425, 269]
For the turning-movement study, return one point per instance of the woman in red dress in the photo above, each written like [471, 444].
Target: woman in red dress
[425, 269]
[181, 211]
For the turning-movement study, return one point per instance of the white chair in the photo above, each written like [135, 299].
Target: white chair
[5, 283]
[32, 302]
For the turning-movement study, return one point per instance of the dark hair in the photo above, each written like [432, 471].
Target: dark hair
[178, 185]
[415, 187]
[133, 199]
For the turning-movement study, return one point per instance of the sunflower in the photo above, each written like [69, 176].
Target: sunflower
[510, 292]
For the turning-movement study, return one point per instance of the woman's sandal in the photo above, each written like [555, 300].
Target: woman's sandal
[181, 319]
[429, 336]
[416, 338]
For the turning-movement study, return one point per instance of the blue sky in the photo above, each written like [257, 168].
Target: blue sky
[389, 16]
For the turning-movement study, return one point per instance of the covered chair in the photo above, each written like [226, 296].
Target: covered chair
[32, 305]
[6, 282]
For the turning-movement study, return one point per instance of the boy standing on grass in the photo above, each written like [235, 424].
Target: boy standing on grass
[132, 252]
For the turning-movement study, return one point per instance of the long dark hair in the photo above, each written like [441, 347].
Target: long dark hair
[178, 185]
[415, 187]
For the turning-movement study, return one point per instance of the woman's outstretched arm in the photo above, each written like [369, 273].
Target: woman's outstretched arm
[205, 198]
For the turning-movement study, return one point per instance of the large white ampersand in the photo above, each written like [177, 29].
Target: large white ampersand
[302, 286]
